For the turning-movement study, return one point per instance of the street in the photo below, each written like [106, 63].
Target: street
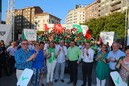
[11, 80]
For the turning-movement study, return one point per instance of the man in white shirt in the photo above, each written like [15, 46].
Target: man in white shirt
[87, 57]
[61, 51]
[113, 57]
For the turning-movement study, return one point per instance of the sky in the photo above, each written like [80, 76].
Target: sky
[58, 8]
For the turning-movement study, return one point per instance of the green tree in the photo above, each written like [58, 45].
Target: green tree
[113, 22]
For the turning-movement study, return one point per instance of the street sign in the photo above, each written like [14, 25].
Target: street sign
[25, 77]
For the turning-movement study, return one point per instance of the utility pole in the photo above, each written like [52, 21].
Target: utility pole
[10, 15]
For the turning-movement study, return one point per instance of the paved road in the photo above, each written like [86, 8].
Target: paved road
[11, 80]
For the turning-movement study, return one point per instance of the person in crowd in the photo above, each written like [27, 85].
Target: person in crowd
[0, 61]
[46, 45]
[81, 45]
[108, 46]
[2, 42]
[87, 57]
[31, 45]
[123, 66]
[102, 68]
[23, 58]
[51, 63]
[3, 60]
[37, 64]
[44, 69]
[113, 57]
[61, 51]
[11, 50]
[73, 54]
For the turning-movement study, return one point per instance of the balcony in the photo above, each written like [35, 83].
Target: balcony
[115, 8]
[115, 2]
[98, 1]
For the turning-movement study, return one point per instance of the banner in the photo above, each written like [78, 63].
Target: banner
[5, 33]
[29, 34]
[107, 37]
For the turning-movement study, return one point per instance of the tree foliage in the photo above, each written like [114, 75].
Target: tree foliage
[113, 22]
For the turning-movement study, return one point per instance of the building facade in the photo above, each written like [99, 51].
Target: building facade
[45, 18]
[24, 18]
[96, 9]
[92, 11]
[110, 6]
[76, 15]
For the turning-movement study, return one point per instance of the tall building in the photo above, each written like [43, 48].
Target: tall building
[45, 18]
[92, 11]
[110, 6]
[24, 18]
[76, 15]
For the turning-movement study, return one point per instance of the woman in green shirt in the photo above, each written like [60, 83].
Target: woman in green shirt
[102, 68]
[51, 63]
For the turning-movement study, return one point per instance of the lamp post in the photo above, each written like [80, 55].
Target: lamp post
[10, 12]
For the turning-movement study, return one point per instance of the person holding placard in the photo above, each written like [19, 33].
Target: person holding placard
[23, 58]
[123, 66]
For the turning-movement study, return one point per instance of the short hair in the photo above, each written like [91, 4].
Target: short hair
[24, 40]
[42, 43]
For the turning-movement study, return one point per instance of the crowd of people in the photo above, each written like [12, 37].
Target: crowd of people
[50, 56]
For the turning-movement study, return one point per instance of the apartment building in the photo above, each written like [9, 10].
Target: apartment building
[110, 6]
[92, 11]
[45, 18]
[76, 15]
[24, 18]
[96, 9]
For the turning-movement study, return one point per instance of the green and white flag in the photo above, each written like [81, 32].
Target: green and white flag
[78, 28]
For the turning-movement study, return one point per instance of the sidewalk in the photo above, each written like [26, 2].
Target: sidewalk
[11, 80]
[59, 83]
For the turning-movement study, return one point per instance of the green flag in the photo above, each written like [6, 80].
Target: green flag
[78, 28]
[23, 36]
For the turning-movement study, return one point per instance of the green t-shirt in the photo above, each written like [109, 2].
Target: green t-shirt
[73, 53]
[53, 54]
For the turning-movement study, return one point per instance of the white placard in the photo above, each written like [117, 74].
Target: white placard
[5, 33]
[25, 77]
[117, 79]
[30, 34]
[107, 37]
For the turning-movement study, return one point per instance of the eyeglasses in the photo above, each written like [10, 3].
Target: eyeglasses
[24, 43]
